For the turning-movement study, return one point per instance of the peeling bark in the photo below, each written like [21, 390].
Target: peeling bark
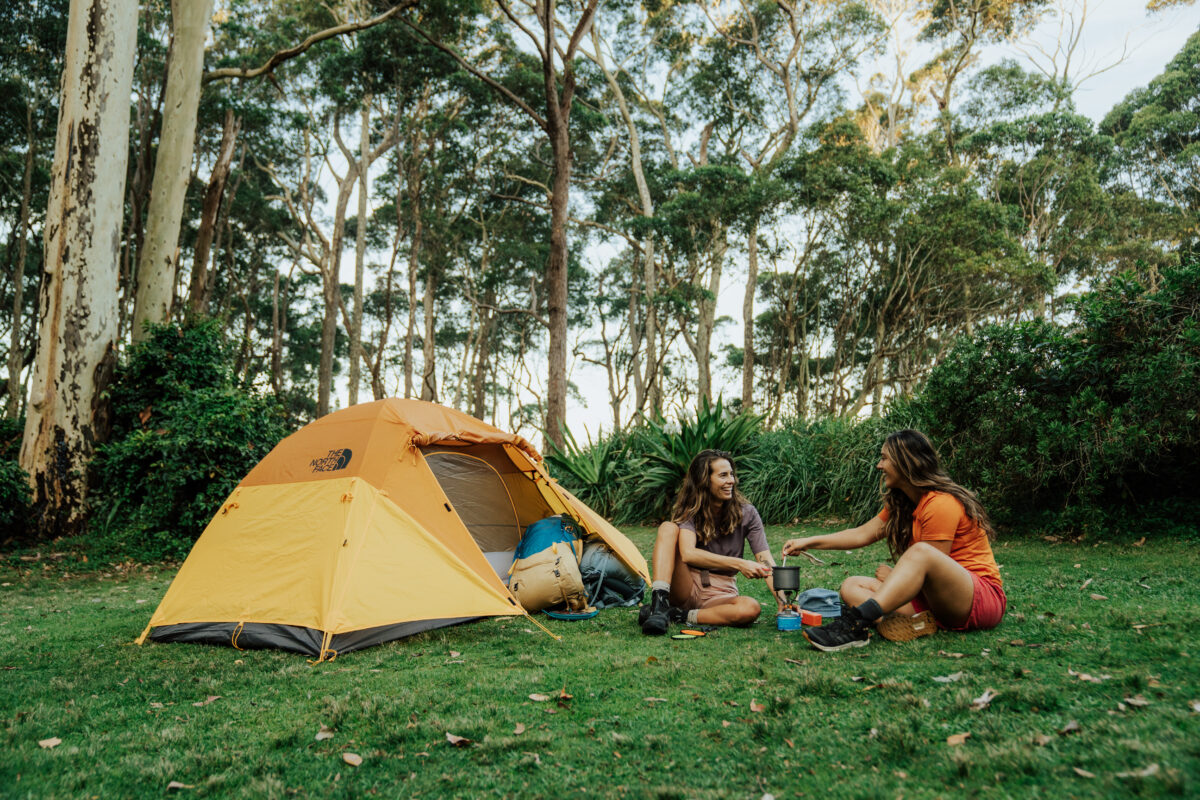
[78, 299]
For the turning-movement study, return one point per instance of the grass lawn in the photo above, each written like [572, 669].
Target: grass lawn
[1093, 680]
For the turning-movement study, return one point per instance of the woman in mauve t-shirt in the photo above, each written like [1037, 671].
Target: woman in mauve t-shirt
[699, 552]
[945, 574]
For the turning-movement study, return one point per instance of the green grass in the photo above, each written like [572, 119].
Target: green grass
[869, 723]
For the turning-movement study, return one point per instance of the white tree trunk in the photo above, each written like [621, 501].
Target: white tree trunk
[160, 251]
[360, 247]
[77, 326]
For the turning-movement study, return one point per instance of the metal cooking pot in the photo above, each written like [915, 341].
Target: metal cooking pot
[786, 578]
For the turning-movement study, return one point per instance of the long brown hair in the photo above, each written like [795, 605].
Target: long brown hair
[914, 459]
[694, 501]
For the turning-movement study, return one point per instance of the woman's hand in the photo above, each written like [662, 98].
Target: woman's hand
[753, 569]
[793, 546]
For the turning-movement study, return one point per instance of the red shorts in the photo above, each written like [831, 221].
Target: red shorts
[987, 607]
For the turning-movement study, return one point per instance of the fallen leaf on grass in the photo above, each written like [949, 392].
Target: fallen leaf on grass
[1083, 676]
[1137, 701]
[951, 678]
[46, 744]
[1083, 773]
[564, 698]
[353, 759]
[539, 698]
[1194, 706]
[757, 707]
[651, 659]
[1146, 772]
[207, 700]
[173, 785]
[455, 654]
[656, 699]
[519, 729]
[157, 705]
[957, 739]
[323, 734]
[1041, 740]
[1070, 727]
[981, 702]
[857, 678]
[1085, 584]
[725, 723]
[794, 661]
[1140, 542]
[944, 654]
[458, 741]
[1095, 596]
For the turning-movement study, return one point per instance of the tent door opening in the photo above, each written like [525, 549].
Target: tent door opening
[482, 501]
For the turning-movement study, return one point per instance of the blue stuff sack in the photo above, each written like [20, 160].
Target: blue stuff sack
[825, 602]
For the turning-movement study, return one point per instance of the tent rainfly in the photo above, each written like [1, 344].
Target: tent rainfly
[370, 524]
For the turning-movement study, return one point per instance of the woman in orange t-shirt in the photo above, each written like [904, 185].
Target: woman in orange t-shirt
[939, 534]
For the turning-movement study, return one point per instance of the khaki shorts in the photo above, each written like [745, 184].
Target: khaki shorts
[720, 588]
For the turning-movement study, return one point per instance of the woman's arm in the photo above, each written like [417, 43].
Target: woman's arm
[764, 557]
[848, 539]
[693, 556]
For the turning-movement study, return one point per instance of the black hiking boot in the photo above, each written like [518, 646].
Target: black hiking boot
[656, 616]
[848, 630]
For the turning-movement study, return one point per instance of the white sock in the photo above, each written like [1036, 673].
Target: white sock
[691, 617]
[660, 586]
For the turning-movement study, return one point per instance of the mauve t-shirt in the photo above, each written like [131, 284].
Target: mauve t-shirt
[734, 544]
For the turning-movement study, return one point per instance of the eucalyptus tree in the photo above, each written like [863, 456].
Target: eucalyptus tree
[157, 261]
[930, 257]
[1157, 133]
[31, 46]
[961, 29]
[554, 32]
[1033, 153]
[78, 302]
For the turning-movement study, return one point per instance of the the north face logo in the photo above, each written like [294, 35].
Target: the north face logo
[337, 459]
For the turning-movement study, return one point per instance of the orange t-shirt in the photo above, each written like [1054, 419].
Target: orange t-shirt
[939, 517]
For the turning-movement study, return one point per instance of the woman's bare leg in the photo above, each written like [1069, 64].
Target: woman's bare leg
[736, 611]
[858, 589]
[946, 585]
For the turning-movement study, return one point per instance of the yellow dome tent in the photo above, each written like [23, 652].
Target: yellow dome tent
[372, 523]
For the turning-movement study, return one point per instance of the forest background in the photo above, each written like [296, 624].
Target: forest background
[923, 237]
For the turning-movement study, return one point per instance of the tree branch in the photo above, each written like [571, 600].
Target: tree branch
[291, 52]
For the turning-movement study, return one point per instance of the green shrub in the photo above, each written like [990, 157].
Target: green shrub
[1076, 428]
[14, 481]
[184, 437]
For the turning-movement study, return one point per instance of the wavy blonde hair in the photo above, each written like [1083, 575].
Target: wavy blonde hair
[694, 501]
[914, 459]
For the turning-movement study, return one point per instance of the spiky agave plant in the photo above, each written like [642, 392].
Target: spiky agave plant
[593, 473]
[662, 459]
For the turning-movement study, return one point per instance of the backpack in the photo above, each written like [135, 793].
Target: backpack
[609, 583]
[545, 568]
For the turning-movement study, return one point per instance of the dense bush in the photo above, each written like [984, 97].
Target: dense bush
[184, 435]
[14, 482]
[1093, 424]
